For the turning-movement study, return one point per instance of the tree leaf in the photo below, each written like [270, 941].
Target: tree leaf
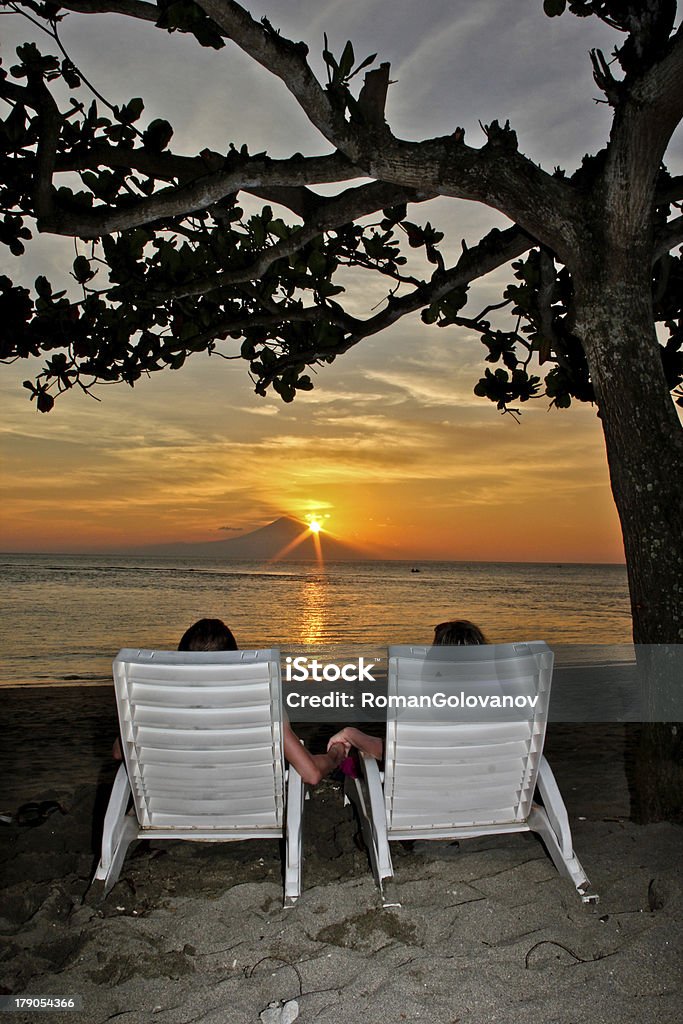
[346, 61]
[157, 135]
[363, 64]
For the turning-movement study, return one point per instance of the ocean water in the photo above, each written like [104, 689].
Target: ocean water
[64, 617]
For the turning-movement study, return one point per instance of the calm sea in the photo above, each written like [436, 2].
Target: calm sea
[63, 617]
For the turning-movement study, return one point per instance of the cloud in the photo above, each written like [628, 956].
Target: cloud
[424, 388]
[257, 410]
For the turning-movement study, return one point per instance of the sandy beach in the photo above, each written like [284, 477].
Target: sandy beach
[487, 932]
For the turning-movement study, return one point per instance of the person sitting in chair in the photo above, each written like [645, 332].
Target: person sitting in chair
[458, 633]
[454, 633]
[214, 635]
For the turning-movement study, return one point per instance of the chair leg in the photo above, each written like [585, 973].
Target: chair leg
[120, 829]
[551, 822]
[293, 837]
[368, 798]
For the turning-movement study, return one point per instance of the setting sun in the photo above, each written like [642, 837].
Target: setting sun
[314, 526]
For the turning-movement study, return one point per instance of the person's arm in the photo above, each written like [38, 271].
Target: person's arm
[311, 767]
[352, 737]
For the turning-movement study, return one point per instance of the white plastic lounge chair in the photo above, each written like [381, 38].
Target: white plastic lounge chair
[203, 759]
[455, 775]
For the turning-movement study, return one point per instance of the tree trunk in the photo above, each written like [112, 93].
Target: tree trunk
[644, 444]
[656, 774]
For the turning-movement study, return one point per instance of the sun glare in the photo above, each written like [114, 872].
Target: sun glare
[314, 526]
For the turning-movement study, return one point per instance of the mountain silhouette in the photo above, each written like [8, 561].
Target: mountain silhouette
[263, 544]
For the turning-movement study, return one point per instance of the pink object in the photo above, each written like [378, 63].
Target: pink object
[348, 766]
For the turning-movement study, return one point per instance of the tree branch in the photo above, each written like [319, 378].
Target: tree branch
[671, 191]
[166, 166]
[661, 87]
[496, 175]
[197, 195]
[604, 79]
[650, 109]
[336, 212]
[300, 200]
[158, 165]
[373, 96]
[278, 315]
[495, 250]
[50, 125]
[131, 8]
[486, 175]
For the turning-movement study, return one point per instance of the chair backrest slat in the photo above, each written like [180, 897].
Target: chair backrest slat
[464, 765]
[202, 737]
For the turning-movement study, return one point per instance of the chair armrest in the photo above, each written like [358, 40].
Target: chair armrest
[377, 814]
[554, 806]
[293, 836]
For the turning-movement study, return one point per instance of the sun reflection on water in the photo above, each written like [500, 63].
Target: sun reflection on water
[314, 613]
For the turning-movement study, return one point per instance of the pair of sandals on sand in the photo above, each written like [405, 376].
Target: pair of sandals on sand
[33, 813]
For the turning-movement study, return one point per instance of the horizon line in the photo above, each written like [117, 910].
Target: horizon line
[135, 553]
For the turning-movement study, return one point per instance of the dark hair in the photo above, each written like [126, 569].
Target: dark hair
[208, 635]
[458, 633]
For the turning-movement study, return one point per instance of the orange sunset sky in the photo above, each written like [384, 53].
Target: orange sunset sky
[392, 448]
[399, 458]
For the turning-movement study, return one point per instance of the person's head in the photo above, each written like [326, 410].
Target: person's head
[207, 635]
[458, 633]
